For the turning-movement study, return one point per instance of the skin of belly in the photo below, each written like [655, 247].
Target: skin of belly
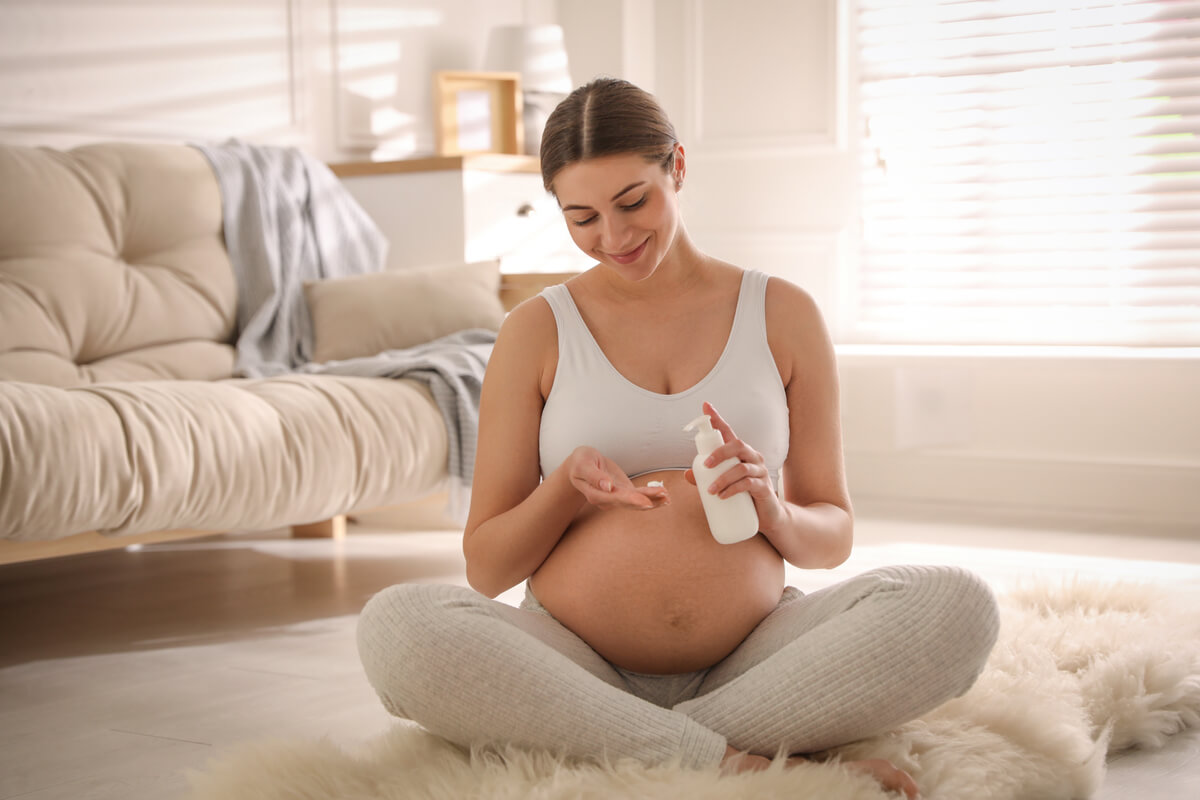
[652, 591]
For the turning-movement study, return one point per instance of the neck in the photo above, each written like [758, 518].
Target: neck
[683, 267]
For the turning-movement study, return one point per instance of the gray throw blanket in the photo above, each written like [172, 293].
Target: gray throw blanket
[452, 367]
[289, 220]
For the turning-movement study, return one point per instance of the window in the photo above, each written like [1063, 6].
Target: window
[1030, 172]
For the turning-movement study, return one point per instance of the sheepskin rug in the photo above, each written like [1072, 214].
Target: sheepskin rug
[1081, 670]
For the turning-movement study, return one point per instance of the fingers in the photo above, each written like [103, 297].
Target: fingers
[614, 496]
[603, 484]
[743, 477]
[718, 422]
[657, 495]
[638, 497]
[599, 482]
[751, 467]
[733, 446]
[596, 473]
[631, 496]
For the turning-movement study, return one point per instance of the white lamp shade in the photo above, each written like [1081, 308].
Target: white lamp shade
[535, 51]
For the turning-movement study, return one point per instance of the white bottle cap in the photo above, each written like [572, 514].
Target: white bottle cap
[707, 439]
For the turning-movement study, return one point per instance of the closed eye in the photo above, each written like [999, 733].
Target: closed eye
[633, 206]
[628, 207]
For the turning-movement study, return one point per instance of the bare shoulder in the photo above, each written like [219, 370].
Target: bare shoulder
[793, 314]
[789, 305]
[796, 328]
[527, 343]
[532, 318]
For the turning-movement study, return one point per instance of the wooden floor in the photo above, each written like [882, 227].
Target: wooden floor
[121, 670]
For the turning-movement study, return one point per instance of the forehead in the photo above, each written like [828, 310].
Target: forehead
[585, 181]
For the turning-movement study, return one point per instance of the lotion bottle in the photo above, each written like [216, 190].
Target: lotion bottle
[730, 519]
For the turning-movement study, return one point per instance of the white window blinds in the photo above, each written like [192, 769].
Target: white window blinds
[1030, 172]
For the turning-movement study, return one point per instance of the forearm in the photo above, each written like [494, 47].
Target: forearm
[506, 549]
[814, 536]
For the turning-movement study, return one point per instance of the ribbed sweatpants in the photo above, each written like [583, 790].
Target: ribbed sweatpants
[841, 664]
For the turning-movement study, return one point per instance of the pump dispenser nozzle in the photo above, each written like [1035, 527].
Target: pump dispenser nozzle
[707, 439]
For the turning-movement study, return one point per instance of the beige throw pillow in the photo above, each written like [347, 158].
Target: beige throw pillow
[367, 314]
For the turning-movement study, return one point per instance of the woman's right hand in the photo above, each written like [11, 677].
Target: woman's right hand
[605, 485]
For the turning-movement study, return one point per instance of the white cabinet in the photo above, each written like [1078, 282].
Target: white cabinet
[465, 208]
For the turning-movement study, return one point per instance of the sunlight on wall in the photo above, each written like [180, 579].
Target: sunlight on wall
[379, 52]
[138, 70]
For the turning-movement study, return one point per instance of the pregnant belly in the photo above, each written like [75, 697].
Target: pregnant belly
[652, 591]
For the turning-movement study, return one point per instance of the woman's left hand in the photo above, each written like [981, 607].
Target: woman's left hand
[748, 475]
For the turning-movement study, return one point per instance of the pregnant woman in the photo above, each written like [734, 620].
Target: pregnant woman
[640, 635]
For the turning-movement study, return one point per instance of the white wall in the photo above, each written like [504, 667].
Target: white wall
[759, 91]
[1100, 439]
[342, 78]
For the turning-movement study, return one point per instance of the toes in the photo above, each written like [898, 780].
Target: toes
[889, 776]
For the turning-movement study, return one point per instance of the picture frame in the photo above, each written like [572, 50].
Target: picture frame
[478, 112]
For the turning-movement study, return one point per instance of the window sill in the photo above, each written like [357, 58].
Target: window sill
[893, 353]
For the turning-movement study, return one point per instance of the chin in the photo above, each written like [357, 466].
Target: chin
[635, 273]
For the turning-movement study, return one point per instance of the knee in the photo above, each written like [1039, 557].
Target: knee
[947, 617]
[967, 619]
[398, 631]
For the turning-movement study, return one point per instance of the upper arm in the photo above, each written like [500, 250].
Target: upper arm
[507, 467]
[814, 470]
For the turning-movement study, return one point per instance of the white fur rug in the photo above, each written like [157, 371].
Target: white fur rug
[1081, 670]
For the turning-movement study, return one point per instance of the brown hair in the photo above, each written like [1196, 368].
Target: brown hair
[606, 117]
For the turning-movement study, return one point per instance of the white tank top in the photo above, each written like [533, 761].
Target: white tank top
[592, 404]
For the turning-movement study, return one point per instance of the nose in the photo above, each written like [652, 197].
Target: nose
[613, 234]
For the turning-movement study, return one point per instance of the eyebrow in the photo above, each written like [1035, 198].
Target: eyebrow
[613, 199]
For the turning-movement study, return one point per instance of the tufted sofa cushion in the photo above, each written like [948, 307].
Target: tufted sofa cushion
[112, 266]
[212, 455]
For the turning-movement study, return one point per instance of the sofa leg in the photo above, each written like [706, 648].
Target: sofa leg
[334, 528]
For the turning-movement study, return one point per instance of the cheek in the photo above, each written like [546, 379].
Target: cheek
[661, 213]
[575, 232]
[661, 217]
[582, 237]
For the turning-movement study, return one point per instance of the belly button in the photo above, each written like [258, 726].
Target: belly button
[679, 621]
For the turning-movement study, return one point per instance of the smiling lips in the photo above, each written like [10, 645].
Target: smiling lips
[630, 256]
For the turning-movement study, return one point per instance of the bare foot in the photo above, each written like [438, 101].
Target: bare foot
[888, 775]
[736, 761]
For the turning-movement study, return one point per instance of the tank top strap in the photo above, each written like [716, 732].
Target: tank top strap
[750, 321]
[559, 298]
[575, 342]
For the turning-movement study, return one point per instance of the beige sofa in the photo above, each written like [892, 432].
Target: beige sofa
[119, 414]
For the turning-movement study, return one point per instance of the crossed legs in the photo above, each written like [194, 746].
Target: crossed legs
[841, 664]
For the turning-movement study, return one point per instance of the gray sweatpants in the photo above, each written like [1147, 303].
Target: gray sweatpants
[841, 664]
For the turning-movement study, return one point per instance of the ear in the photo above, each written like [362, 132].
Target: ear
[679, 170]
